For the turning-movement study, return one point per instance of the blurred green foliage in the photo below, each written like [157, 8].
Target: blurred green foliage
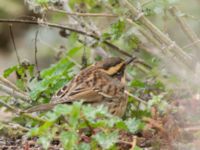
[72, 123]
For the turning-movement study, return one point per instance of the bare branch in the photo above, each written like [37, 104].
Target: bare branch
[32, 22]
[15, 110]
[10, 84]
[135, 97]
[185, 27]
[185, 59]
[21, 112]
[14, 93]
[36, 50]
[13, 41]
[83, 14]
[54, 25]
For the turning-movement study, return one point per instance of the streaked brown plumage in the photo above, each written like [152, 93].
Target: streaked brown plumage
[101, 83]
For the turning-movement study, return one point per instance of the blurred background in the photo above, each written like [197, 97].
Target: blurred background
[50, 40]
[51, 43]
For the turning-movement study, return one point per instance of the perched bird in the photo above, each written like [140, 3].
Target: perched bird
[101, 83]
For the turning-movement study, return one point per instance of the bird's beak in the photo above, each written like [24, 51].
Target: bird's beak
[128, 61]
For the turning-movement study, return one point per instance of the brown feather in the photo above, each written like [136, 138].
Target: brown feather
[98, 84]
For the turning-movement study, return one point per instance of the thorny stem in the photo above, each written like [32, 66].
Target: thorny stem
[168, 43]
[185, 27]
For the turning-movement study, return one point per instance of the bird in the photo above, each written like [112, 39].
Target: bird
[102, 83]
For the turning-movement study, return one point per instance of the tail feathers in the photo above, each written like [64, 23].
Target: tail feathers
[42, 107]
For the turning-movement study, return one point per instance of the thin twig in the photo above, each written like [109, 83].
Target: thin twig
[185, 59]
[33, 117]
[32, 22]
[36, 50]
[191, 44]
[54, 25]
[124, 142]
[21, 112]
[56, 49]
[185, 27]
[14, 126]
[153, 40]
[14, 93]
[83, 14]
[84, 57]
[15, 110]
[13, 41]
[155, 124]
[10, 84]
[135, 97]
[133, 143]
[191, 129]
[146, 3]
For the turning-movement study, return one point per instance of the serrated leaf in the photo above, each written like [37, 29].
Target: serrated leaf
[75, 114]
[51, 116]
[62, 109]
[133, 125]
[69, 139]
[106, 140]
[121, 125]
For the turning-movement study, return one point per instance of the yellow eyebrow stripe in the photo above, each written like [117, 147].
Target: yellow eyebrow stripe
[114, 69]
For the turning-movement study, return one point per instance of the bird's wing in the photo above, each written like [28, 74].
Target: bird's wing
[92, 89]
[88, 90]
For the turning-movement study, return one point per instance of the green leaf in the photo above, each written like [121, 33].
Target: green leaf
[117, 29]
[42, 1]
[44, 141]
[72, 41]
[137, 148]
[73, 51]
[62, 109]
[134, 125]
[51, 116]
[31, 70]
[89, 112]
[21, 71]
[121, 125]
[20, 84]
[157, 100]
[69, 139]
[138, 83]
[75, 114]
[106, 140]
[84, 146]
[8, 71]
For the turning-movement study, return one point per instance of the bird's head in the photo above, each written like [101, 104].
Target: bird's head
[114, 66]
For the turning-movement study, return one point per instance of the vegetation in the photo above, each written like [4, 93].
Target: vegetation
[93, 30]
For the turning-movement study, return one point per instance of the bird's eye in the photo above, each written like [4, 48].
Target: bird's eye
[118, 73]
